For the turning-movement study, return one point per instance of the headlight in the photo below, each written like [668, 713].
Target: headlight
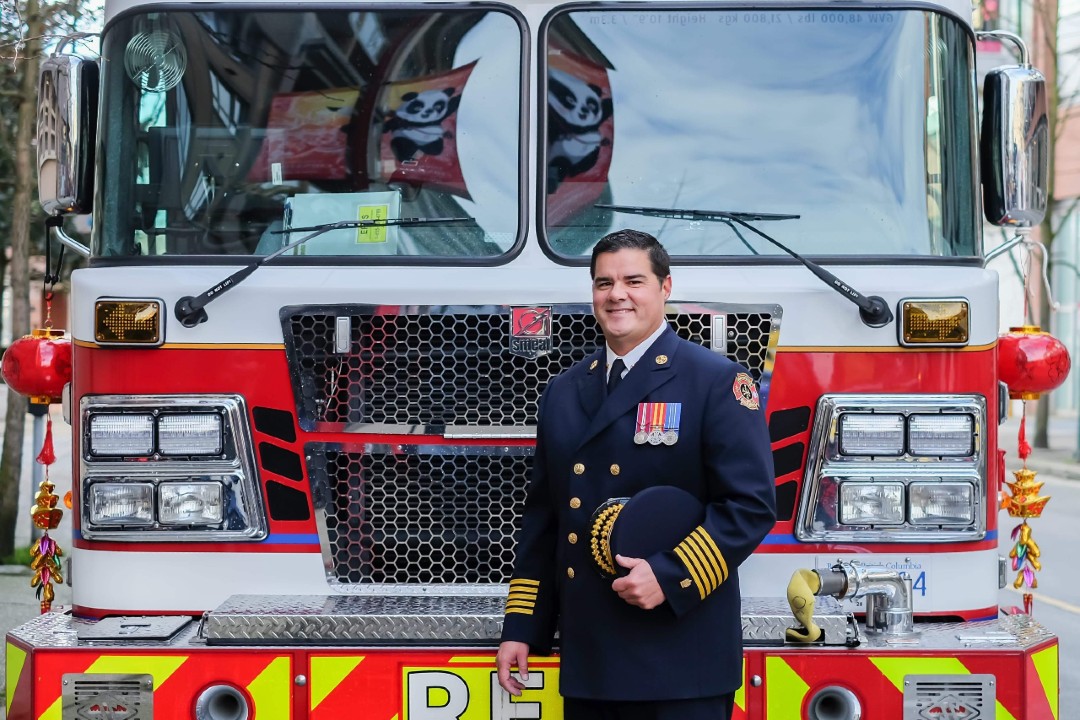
[941, 503]
[121, 503]
[871, 434]
[195, 434]
[129, 434]
[170, 468]
[864, 503]
[190, 503]
[941, 435]
[896, 468]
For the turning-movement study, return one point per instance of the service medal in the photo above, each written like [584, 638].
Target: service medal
[657, 423]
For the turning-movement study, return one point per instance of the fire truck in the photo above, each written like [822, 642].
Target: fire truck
[338, 250]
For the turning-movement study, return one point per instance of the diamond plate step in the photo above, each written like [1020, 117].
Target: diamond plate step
[440, 619]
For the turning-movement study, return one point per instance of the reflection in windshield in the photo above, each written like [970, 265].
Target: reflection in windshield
[860, 122]
[227, 129]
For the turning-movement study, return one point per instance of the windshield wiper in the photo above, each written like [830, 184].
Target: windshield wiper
[873, 310]
[190, 310]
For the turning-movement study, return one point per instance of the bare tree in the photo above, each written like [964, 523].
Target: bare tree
[25, 25]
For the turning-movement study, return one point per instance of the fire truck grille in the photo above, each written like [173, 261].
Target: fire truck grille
[356, 365]
[423, 515]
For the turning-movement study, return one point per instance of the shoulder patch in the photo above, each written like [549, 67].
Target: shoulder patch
[745, 391]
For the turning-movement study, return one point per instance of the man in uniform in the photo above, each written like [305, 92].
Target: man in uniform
[663, 640]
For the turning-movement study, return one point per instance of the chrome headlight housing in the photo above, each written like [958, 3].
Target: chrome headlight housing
[169, 468]
[895, 468]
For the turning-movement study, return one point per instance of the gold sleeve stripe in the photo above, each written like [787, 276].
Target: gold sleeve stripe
[705, 580]
[515, 595]
[518, 604]
[519, 611]
[707, 539]
[522, 581]
[707, 557]
[692, 570]
[711, 572]
[520, 589]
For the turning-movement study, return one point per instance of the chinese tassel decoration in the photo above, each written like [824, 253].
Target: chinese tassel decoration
[1024, 502]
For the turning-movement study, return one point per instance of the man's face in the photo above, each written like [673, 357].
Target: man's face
[628, 299]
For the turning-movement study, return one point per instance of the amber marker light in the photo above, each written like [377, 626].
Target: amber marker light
[934, 322]
[128, 322]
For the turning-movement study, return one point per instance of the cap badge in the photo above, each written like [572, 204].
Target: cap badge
[745, 391]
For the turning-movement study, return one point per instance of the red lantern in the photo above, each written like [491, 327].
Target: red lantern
[1031, 362]
[38, 365]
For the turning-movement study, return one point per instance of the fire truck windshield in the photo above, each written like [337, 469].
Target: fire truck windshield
[859, 122]
[225, 132]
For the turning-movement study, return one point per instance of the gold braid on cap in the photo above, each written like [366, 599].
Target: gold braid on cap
[600, 536]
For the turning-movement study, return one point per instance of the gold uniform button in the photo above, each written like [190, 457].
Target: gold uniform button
[579, 468]
[570, 573]
[575, 503]
[615, 469]
[572, 537]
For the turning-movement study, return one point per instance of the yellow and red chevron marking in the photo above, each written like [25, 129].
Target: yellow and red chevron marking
[1026, 682]
[394, 685]
[265, 677]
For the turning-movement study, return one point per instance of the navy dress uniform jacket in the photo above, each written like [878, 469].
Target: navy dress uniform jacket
[691, 645]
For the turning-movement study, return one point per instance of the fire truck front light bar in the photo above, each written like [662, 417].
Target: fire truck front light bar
[127, 503]
[934, 322]
[950, 435]
[195, 434]
[871, 434]
[190, 503]
[870, 503]
[121, 435]
[945, 503]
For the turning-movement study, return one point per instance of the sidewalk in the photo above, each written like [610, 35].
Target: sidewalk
[1059, 460]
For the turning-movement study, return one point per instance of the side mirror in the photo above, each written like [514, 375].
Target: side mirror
[66, 126]
[1015, 142]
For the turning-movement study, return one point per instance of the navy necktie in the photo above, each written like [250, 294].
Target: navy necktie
[615, 375]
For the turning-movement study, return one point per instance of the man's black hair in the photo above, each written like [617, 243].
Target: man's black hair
[633, 240]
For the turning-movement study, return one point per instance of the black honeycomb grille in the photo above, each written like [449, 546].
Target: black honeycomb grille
[455, 368]
[445, 517]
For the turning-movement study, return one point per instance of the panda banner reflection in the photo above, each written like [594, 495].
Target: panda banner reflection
[419, 131]
[580, 134]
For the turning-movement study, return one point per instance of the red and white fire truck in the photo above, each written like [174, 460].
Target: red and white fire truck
[338, 250]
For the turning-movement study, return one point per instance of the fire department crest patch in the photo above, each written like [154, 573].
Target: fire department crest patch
[530, 331]
[745, 391]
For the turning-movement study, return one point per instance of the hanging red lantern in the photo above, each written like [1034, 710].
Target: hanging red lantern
[1031, 362]
[38, 365]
